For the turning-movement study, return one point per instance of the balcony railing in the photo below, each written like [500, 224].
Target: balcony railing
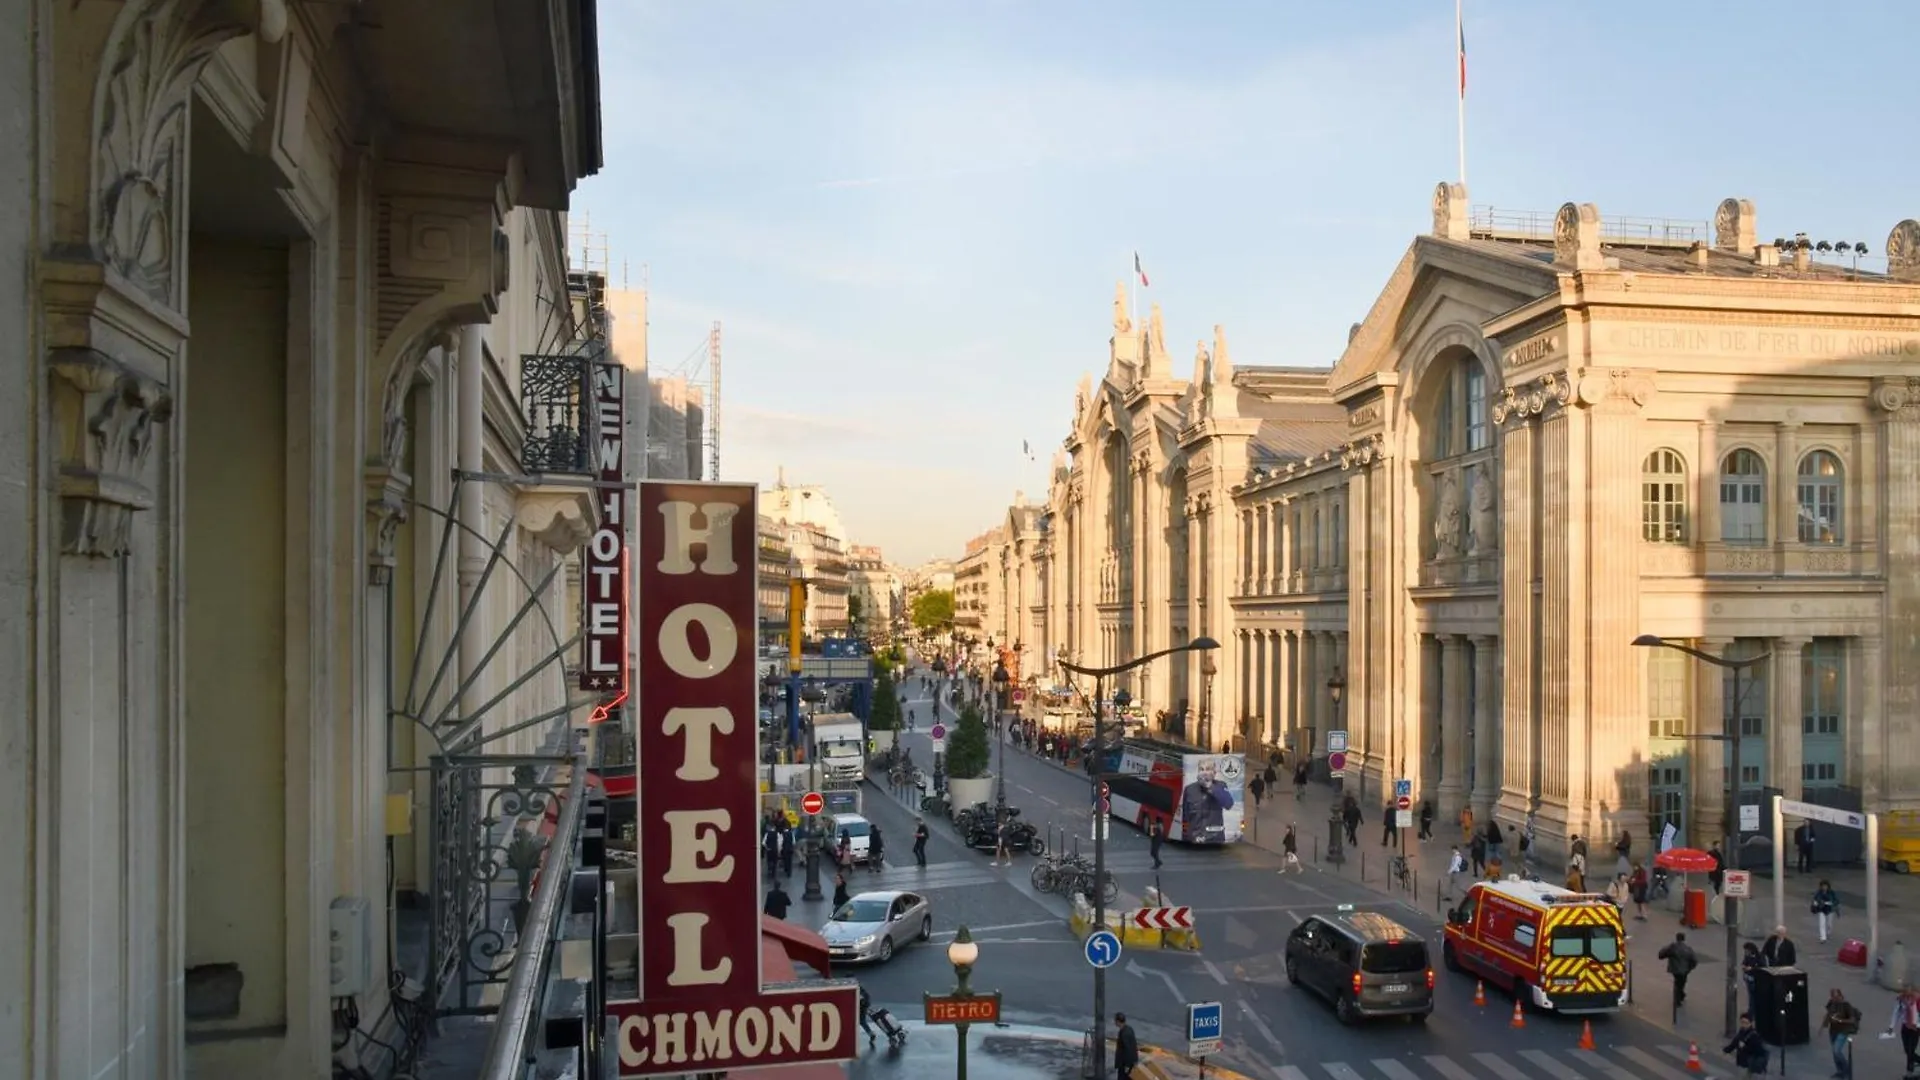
[553, 404]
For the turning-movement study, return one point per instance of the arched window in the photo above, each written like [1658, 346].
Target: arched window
[1743, 498]
[1663, 498]
[1461, 424]
[1820, 498]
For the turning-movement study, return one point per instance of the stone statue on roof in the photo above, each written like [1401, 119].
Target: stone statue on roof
[1122, 321]
[1157, 332]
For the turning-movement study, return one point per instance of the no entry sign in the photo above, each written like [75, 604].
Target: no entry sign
[812, 802]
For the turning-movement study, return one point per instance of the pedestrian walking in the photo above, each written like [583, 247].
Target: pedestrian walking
[1290, 851]
[786, 852]
[1456, 865]
[777, 902]
[770, 850]
[1906, 1021]
[840, 893]
[866, 1011]
[920, 841]
[1717, 876]
[1778, 951]
[1496, 842]
[1748, 1050]
[1466, 824]
[1750, 962]
[876, 849]
[1681, 960]
[1000, 851]
[1156, 834]
[1803, 841]
[1841, 1023]
[1623, 854]
[1826, 904]
[1126, 1048]
[1426, 819]
[1478, 848]
[1390, 825]
[1350, 815]
[1259, 789]
[1637, 889]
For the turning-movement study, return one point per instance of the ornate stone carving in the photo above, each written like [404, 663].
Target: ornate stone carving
[1122, 321]
[1532, 399]
[1450, 218]
[1483, 524]
[1576, 237]
[103, 415]
[1734, 226]
[1898, 395]
[1618, 385]
[1364, 415]
[387, 509]
[1903, 251]
[1156, 333]
[157, 51]
[1363, 451]
[1447, 517]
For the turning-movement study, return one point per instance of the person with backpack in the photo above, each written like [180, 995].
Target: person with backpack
[1748, 1050]
[1841, 1024]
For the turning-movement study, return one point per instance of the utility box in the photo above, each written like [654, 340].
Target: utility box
[1780, 1005]
[349, 947]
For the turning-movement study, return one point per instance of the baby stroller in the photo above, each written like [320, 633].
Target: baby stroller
[896, 1035]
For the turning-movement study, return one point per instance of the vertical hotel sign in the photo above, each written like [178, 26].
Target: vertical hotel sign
[604, 667]
[703, 1007]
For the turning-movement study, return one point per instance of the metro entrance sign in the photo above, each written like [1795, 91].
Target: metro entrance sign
[704, 1004]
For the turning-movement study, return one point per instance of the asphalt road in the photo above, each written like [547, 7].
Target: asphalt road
[1245, 910]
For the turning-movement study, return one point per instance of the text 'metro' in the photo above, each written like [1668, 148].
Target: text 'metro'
[703, 1005]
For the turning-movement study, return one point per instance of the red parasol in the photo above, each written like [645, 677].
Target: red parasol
[1687, 860]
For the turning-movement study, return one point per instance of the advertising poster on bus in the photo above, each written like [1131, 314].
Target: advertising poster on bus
[1211, 796]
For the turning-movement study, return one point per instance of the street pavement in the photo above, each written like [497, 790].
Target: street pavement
[1245, 909]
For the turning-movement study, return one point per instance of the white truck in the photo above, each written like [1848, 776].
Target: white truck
[840, 746]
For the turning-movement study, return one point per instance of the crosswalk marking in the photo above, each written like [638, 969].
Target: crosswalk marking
[1340, 1070]
[1394, 1070]
[1445, 1067]
[1293, 1072]
[1499, 1067]
[1661, 1068]
[1555, 1067]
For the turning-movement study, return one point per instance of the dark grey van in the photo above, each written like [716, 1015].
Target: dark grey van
[1364, 962]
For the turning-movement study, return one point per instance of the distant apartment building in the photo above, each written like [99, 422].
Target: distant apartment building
[775, 558]
[877, 587]
[976, 598]
[666, 416]
[822, 560]
[803, 505]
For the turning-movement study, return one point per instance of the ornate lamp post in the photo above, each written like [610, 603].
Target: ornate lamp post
[1730, 736]
[1000, 680]
[1096, 778]
[962, 953]
[1336, 686]
[939, 756]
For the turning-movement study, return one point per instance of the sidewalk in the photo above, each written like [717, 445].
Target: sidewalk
[1009, 1052]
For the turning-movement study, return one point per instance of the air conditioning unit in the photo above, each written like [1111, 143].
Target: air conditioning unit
[349, 947]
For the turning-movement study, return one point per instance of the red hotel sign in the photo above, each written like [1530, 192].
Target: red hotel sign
[604, 667]
[703, 1007]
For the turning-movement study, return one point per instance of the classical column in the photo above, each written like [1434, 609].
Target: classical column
[1487, 726]
[1707, 757]
[1893, 766]
[470, 427]
[1519, 623]
[1455, 723]
[1785, 751]
[1706, 488]
[1786, 496]
[1426, 720]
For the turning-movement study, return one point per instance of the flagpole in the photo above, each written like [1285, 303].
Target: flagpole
[1460, 65]
[1133, 293]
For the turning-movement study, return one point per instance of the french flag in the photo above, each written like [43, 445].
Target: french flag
[1460, 31]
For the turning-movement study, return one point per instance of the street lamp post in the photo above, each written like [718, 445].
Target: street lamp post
[1336, 687]
[939, 756]
[1096, 777]
[1000, 680]
[1208, 669]
[1731, 736]
[962, 953]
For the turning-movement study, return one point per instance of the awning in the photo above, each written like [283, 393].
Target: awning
[782, 943]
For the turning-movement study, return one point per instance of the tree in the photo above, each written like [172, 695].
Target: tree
[967, 750]
[885, 714]
[933, 609]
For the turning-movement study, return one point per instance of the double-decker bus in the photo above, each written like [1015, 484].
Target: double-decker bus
[1195, 797]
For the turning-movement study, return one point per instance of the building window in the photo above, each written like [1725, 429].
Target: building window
[1749, 707]
[1820, 505]
[1318, 540]
[1743, 498]
[1339, 516]
[1667, 693]
[1461, 421]
[1823, 709]
[1663, 498]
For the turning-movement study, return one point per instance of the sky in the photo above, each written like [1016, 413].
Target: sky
[909, 215]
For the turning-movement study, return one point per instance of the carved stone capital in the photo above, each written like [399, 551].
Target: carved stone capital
[387, 509]
[1363, 451]
[1519, 404]
[104, 413]
[1618, 386]
[1898, 396]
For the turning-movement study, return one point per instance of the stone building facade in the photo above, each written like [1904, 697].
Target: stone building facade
[1550, 435]
[271, 267]
[878, 588]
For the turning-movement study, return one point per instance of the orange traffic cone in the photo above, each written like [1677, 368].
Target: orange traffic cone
[1586, 1035]
[1480, 994]
[1519, 1018]
[1693, 1057]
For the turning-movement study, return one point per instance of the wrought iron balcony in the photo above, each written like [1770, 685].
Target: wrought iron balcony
[553, 404]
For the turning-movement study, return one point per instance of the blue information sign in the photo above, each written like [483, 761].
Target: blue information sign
[1204, 1028]
[1103, 948]
[1403, 789]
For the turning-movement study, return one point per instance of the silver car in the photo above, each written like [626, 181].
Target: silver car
[872, 925]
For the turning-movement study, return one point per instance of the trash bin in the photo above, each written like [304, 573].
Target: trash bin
[1780, 1005]
[1694, 911]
